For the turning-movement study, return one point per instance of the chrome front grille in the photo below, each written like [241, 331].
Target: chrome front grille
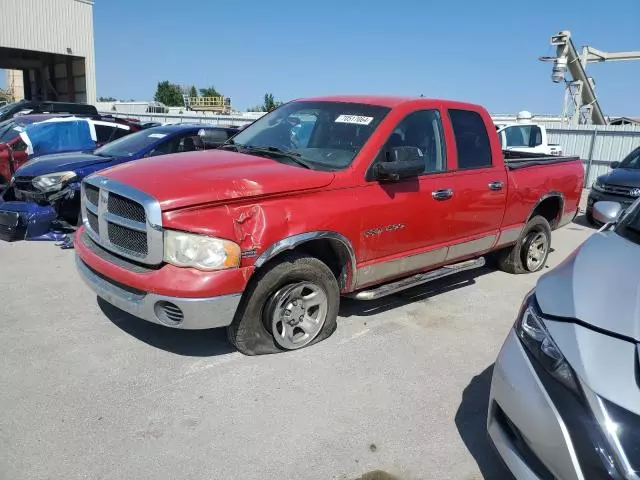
[92, 218]
[92, 194]
[619, 190]
[122, 219]
[132, 240]
[123, 207]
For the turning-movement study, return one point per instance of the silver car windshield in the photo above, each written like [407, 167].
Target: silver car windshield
[629, 224]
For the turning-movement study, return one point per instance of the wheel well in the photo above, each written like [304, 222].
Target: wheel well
[332, 252]
[549, 208]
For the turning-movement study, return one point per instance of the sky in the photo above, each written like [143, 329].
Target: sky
[482, 51]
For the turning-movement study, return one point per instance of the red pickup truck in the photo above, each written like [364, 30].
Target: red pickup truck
[318, 199]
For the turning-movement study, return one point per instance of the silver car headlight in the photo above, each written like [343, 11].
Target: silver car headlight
[184, 249]
[531, 330]
[597, 186]
[52, 182]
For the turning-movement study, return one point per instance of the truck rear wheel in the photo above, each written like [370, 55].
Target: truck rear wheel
[291, 304]
[531, 251]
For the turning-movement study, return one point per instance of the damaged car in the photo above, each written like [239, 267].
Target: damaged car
[43, 197]
[25, 137]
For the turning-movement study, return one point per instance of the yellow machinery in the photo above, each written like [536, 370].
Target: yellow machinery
[220, 105]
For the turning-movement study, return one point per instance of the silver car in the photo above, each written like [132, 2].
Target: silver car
[565, 392]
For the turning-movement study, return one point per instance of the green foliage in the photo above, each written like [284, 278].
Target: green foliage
[209, 92]
[269, 104]
[193, 92]
[107, 99]
[169, 94]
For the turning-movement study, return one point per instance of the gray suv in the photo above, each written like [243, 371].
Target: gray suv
[565, 392]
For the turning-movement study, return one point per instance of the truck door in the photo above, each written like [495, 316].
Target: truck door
[406, 227]
[480, 185]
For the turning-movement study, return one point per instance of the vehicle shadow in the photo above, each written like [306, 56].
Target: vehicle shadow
[471, 422]
[350, 307]
[191, 343]
[582, 221]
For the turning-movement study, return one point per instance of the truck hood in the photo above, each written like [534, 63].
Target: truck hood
[195, 178]
[59, 162]
[625, 177]
[597, 284]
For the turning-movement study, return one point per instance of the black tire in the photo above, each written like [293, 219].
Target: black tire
[589, 216]
[248, 332]
[513, 259]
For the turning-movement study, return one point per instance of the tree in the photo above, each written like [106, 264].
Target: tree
[107, 99]
[193, 92]
[209, 92]
[270, 103]
[169, 94]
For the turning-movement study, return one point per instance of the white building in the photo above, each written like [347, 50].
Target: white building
[51, 42]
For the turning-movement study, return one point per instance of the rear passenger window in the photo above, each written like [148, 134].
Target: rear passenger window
[472, 140]
[103, 133]
[119, 133]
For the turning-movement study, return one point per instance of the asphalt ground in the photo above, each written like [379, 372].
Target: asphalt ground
[399, 391]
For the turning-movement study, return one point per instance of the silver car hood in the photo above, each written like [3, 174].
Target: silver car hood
[599, 284]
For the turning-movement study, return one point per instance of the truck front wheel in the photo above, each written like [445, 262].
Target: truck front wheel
[530, 252]
[291, 304]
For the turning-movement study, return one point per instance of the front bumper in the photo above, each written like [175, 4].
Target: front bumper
[596, 196]
[25, 220]
[176, 312]
[542, 445]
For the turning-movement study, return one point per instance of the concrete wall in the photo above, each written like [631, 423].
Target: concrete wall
[62, 27]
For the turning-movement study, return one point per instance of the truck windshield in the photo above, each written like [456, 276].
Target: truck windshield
[132, 144]
[321, 135]
[629, 224]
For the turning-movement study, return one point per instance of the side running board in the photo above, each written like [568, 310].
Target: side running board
[415, 280]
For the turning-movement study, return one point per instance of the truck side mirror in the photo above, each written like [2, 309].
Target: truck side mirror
[606, 212]
[402, 162]
[614, 164]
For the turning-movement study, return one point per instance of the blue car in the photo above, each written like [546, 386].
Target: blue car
[44, 192]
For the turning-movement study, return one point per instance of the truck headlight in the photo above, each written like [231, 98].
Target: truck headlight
[52, 182]
[597, 186]
[184, 249]
[535, 337]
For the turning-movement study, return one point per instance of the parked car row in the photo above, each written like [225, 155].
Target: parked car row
[45, 190]
[28, 136]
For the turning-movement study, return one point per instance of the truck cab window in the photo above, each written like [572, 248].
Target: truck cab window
[523, 136]
[472, 140]
[422, 130]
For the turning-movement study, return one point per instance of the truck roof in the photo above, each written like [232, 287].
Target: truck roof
[389, 101]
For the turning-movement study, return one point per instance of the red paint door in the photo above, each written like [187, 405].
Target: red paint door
[480, 183]
[406, 227]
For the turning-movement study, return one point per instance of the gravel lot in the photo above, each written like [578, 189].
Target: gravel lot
[90, 392]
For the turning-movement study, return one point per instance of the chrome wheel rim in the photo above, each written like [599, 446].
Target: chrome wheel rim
[296, 314]
[537, 251]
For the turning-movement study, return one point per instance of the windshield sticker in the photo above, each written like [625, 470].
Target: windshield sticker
[157, 135]
[356, 119]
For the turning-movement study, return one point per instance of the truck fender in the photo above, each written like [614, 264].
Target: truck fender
[341, 245]
[537, 207]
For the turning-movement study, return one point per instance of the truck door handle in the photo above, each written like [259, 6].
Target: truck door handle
[496, 185]
[444, 194]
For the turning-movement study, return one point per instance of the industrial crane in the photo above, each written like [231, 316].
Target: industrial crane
[580, 101]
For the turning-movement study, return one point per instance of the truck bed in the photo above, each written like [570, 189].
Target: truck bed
[515, 160]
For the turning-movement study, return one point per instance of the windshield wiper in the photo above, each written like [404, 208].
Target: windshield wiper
[293, 156]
